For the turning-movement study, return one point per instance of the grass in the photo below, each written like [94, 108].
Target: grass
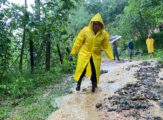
[37, 106]
[36, 103]
[158, 55]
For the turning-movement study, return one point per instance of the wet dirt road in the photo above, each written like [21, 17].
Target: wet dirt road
[82, 105]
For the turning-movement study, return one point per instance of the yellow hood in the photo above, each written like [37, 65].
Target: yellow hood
[96, 18]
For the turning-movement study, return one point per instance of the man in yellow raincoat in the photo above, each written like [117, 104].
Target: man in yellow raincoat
[150, 44]
[89, 43]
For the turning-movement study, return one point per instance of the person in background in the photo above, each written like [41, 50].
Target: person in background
[130, 48]
[150, 45]
[115, 51]
[88, 45]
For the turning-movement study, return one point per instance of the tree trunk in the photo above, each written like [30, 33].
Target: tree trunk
[22, 50]
[37, 18]
[31, 55]
[59, 53]
[39, 53]
[23, 40]
[48, 47]
[26, 3]
[37, 11]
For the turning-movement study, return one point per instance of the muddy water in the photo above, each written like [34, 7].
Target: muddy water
[81, 105]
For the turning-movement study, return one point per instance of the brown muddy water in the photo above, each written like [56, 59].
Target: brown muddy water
[82, 105]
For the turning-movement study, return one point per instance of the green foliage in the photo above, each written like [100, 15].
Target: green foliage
[161, 61]
[5, 44]
[108, 8]
[140, 44]
[58, 22]
[134, 23]
[78, 19]
[24, 84]
[50, 19]
[37, 103]
[158, 37]
[157, 55]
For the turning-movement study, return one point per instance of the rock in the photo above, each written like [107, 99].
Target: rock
[137, 106]
[156, 97]
[134, 113]
[134, 65]
[160, 90]
[126, 114]
[141, 105]
[127, 69]
[130, 90]
[145, 63]
[98, 105]
[126, 107]
[161, 78]
[159, 66]
[129, 85]
[149, 74]
[118, 109]
[153, 96]
[70, 92]
[115, 102]
[84, 89]
[111, 81]
[110, 109]
[157, 118]
[56, 102]
[149, 104]
[138, 97]
[161, 103]
[103, 71]
[109, 98]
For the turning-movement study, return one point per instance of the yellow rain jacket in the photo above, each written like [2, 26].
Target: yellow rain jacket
[88, 44]
[150, 45]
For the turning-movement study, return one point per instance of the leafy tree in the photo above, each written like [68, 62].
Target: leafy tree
[139, 19]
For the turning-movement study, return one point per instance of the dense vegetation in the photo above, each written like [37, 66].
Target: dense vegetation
[35, 45]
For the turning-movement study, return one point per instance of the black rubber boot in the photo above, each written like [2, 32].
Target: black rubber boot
[78, 84]
[78, 87]
[94, 86]
[80, 80]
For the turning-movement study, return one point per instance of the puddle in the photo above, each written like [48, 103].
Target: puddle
[82, 105]
[114, 86]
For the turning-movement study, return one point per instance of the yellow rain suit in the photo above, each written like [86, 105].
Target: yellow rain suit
[88, 44]
[150, 45]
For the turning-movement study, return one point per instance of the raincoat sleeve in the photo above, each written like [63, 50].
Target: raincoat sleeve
[107, 47]
[78, 42]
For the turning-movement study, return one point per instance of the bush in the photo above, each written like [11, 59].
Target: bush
[140, 45]
[17, 85]
[158, 37]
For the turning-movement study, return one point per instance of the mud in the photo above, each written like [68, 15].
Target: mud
[85, 105]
